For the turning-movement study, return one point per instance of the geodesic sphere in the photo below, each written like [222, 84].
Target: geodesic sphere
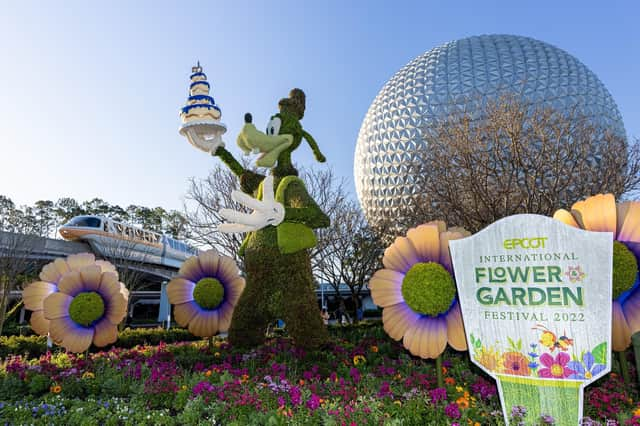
[463, 75]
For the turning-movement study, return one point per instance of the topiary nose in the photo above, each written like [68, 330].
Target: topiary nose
[248, 118]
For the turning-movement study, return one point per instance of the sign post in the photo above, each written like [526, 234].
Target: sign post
[535, 296]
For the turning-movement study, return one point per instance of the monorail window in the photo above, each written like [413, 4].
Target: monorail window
[88, 222]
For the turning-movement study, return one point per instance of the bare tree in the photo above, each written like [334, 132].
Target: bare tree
[15, 250]
[205, 198]
[349, 253]
[130, 262]
[516, 159]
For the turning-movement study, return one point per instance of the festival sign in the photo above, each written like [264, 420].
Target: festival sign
[535, 296]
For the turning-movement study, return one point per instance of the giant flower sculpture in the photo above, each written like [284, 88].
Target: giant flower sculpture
[79, 302]
[34, 294]
[601, 213]
[417, 292]
[205, 293]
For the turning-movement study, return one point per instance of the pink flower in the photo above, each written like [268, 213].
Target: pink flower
[555, 368]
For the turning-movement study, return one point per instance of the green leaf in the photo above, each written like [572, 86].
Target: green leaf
[600, 353]
[519, 344]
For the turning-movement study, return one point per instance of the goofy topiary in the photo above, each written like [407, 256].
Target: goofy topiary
[279, 282]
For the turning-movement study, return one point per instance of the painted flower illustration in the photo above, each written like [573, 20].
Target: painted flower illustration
[555, 368]
[417, 292]
[575, 273]
[586, 369]
[516, 364]
[601, 213]
[205, 293]
[34, 294]
[490, 359]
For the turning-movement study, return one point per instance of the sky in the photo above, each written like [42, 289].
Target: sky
[90, 91]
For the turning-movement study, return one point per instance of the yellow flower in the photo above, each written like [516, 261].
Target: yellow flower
[217, 354]
[88, 375]
[490, 359]
[359, 359]
[636, 413]
[55, 389]
[184, 387]
[398, 403]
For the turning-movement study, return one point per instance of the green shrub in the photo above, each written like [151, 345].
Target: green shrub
[35, 346]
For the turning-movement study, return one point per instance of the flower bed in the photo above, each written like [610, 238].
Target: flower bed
[361, 378]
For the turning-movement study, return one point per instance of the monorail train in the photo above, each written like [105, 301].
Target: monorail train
[114, 239]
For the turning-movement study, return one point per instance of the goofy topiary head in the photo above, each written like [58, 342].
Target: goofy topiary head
[283, 135]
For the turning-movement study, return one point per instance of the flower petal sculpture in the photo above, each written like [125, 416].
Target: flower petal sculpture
[601, 213]
[51, 274]
[205, 293]
[417, 292]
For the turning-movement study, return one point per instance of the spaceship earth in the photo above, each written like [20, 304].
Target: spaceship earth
[463, 75]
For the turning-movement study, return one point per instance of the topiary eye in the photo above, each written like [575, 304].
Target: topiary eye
[273, 127]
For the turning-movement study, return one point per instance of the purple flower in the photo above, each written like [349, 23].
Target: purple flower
[355, 374]
[547, 419]
[438, 394]
[281, 401]
[295, 395]
[518, 412]
[484, 389]
[452, 411]
[202, 387]
[313, 402]
[385, 390]
[586, 369]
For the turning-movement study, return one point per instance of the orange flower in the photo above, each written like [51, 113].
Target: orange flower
[301, 382]
[444, 370]
[516, 364]
[208, 373]
[374, 348]
[55, 389]
[462, 402]
[450, 381]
